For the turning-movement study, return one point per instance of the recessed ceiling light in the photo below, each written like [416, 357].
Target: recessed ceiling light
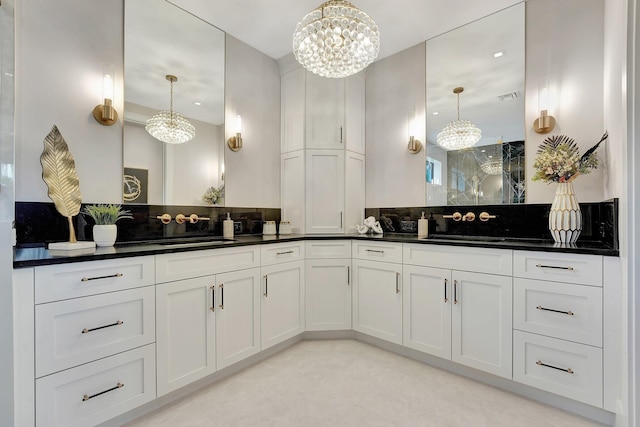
[197, 103]
[435, 113]
[498, 54]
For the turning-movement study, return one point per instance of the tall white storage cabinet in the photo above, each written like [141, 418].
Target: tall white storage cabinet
[323, 149]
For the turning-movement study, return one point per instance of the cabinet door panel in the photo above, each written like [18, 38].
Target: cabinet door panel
[354, 113]
[238, 320]
[427, 310]
[292, 110]
[482, 322]
[354, 202]
[282, 308]
[377, 300]
[325, 191]
[324, 112]
[185, 326]
[328, 294]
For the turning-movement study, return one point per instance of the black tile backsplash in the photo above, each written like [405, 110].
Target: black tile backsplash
[40, 222]
[527, 221]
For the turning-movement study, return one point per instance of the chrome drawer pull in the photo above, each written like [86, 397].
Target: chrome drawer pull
[87, 397]
[397, 283]
[567, 370]
[555, 267]
[86, 279]
[455, 291]
[373, 250]
[266, 286]
[222, 296]
[284, 253]
[569, 313]
[85, 330]
[445, 291]
[213, 297]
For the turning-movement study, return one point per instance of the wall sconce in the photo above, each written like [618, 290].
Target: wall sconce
[545, 122]
[105, 114]
[235, 142]
[414, 145]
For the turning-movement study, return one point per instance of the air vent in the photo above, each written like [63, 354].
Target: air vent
[509, 96]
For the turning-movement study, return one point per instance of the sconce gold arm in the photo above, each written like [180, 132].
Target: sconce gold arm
[235, 142]
[414, 145]
[544, 123]
[105, 114]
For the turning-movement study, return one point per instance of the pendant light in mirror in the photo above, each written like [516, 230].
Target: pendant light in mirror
[459, 134]
[336, 40]
[169, 126]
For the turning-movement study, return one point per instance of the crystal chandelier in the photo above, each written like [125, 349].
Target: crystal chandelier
[169, 126]
[336, 40]
[459, 134]
[492, 165]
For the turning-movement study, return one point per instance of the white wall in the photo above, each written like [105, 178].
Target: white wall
[252, 176]
[61, 47]
[395, 89]
[564, 43]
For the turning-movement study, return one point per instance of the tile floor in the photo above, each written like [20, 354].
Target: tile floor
[350, 383]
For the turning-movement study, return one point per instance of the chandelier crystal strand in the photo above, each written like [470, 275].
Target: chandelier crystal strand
[460, 133]
[336, 40]
[169, 126]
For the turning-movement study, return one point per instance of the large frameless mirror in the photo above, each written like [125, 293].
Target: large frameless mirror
[486, 59]
[163, 40]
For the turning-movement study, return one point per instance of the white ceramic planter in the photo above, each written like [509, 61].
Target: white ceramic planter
[105, 235]
[565, 217]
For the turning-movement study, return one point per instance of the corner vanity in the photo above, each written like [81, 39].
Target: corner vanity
[127, 329]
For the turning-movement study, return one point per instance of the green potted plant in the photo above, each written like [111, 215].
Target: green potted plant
[105, 216]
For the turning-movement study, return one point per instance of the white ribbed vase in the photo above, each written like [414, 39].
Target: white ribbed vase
[565, 217]
[105, 235]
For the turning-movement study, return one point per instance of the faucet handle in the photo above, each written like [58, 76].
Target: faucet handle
[469, 216]
[457, 216]
[164, 218]
[484, 216]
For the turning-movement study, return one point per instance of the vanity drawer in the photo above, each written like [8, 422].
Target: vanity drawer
[277, 253]
[328, 249]
[479, 260]
[377, 251]
[89, 394]
[185, 265]
[64, 281]
[566, 311]
[561, 367]
[80, 330]
[558, 267]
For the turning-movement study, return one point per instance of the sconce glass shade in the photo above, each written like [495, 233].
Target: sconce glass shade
[168, 126]
[459, 134]
[336, 40]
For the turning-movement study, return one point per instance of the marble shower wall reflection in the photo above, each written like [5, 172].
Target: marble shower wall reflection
[489, 174]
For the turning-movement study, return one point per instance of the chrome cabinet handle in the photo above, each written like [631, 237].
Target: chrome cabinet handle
[348, 275]
[455, 291]
[341, 135]
[87, 330]
[88, 279]
[373, 250]
[340, 219]
[221, 296]
[266, 285]
[568, 313]
[87, 397]
[213, 297]
[554, 267]
[397, 283]
[284, 253]
[567, 370]
[445, 291]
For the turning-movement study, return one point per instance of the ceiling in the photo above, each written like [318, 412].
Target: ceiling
[268, 25]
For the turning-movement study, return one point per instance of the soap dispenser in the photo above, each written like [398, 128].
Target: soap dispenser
[423, 227]
[227, 227]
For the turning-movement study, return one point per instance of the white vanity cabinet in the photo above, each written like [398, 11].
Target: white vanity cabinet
[328, 285]
[92, 337]
[558, 324]
[377, 289]
[282, 288]
[207, 322]
[453, 308]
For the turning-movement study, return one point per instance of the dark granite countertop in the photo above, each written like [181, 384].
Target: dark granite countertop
[38, 255]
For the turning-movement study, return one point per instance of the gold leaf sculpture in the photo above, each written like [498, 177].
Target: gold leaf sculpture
[59, 173]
